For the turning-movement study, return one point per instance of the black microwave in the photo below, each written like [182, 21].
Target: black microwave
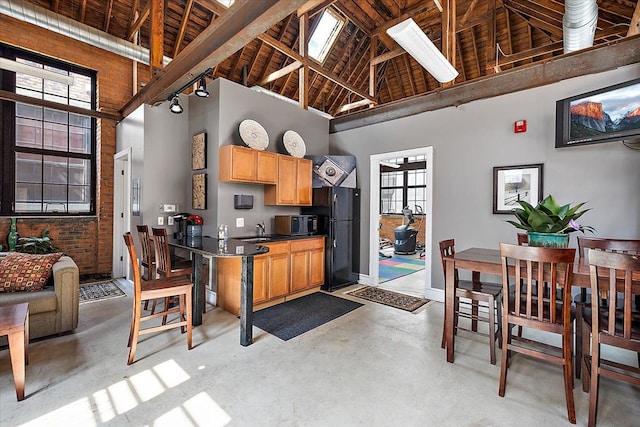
[296, 225]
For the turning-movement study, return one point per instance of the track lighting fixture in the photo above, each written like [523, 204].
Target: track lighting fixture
[175, 106]
[201, 91]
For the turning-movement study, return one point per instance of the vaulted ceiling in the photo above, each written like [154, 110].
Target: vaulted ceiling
[490, 36]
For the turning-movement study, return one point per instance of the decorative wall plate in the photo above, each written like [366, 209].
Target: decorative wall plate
[294, 144]
[253, 134]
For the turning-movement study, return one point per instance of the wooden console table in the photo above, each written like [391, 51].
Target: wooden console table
[14, 322]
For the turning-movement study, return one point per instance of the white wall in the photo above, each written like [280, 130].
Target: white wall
[471, 139]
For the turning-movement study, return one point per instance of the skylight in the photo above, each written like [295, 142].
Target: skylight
[325, 35]
[225, 3]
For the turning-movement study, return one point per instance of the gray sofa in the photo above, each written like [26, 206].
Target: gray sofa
[53, 310]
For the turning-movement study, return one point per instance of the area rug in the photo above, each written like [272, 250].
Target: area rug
[295, 317]
[394, 267]
[390, 298]
[99, 291]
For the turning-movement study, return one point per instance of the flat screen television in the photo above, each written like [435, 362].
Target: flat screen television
[604, 115]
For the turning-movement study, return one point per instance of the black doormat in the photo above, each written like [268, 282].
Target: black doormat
[295, 317]
[390, 298]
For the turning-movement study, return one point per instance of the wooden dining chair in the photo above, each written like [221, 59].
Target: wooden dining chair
[475, 291]
[147, 262]
[583, 300]
[165, 266]
[611, 280]
[179, 287]
[523, 307]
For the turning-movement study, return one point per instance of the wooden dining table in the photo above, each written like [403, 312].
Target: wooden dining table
[488, 261]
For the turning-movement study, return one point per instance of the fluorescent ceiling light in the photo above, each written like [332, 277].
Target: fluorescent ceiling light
[412, 39]
[18, 67]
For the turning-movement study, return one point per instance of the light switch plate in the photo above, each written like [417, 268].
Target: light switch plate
[169, 220]
[239, 222]
[160, 220]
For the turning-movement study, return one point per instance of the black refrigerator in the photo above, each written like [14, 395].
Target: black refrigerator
[338, 210]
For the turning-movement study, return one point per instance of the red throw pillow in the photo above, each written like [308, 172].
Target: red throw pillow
[26, 272]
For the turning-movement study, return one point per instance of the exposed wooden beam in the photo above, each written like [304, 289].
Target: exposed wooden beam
[449, 32]
[387, 56]
[183, 27]
[459, 51]
[280, 73]
[314, 65]
[470, 9]
[14, 97]
[353, 18]
[135, 27]
[597, 59]
[303, 72]
[409, 69]
[133, 13]
[107, 16]
[243, 22]
[421, 8]
[213, 6]
[634, 26]
[55, 6]
[83, 10]
[283, 31]
[476, 55]
[156, 38]
[490, 66]
[372, 67]
[438, 5]
[311, 4]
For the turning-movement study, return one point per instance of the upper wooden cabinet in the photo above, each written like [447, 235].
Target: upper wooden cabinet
[241, 164]
[293, 186]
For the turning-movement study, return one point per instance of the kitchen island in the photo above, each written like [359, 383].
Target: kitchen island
[243, 252]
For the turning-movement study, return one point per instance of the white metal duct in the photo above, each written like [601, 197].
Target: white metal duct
[579, 24]
[36, 15]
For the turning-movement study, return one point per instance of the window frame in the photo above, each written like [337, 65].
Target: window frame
[8, 136]
[405, 167]
[333, 36]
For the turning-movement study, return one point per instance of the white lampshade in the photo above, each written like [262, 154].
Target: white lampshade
[412, 39]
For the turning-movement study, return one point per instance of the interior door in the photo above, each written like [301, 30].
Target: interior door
[121, 212]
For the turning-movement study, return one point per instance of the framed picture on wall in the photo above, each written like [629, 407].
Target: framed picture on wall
[199, 189]
[199, 151]
[516, 183]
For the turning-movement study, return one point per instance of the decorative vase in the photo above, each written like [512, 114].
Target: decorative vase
[548, 240]
[12, 237]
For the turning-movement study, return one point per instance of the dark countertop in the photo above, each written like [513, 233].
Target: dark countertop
[231, 247]
[270, 238]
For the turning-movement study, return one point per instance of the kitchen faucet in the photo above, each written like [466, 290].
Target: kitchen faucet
[261, 229]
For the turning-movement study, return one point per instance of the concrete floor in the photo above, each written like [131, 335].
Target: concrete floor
[375, 366]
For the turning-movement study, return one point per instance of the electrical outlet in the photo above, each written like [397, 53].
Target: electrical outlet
[169, 220]
[239, 222]
[160, 220]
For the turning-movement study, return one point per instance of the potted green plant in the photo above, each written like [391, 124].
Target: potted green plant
[36, 245]
[548, 223]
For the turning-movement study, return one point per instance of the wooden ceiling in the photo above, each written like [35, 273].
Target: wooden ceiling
[526, 31]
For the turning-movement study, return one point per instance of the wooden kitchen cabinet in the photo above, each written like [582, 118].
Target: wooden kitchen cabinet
[293, 186]
[241, 164]
[278, 270]
[290, 267]
[307, 263]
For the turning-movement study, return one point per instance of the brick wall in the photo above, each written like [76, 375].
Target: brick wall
[87, 239]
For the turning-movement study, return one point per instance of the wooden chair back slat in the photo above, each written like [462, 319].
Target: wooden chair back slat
[135, 267]
[163, 255]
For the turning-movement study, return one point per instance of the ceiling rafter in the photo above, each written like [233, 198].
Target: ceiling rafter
[83, 10]
[135, 27]
[107, 16]
[183, 27]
